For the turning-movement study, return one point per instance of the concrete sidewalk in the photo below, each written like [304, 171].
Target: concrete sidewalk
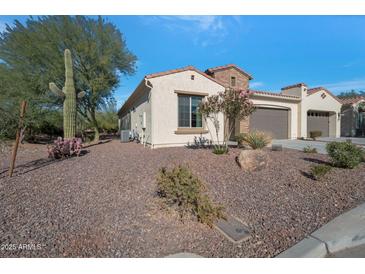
[344, 232]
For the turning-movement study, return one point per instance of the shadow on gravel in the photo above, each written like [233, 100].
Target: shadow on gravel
[36, 164]
[316, 161]
[307, 174]
[95, 144]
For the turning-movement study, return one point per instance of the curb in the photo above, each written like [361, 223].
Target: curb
[184, 255]
[344, 231]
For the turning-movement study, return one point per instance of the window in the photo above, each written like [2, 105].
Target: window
[192, 77]
[233, 81]
[188, 112]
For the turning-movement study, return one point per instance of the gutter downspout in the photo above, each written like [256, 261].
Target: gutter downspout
[150, 87]
[146, 83]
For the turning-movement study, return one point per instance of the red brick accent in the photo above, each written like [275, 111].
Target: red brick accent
[224, 75]
[215, 69]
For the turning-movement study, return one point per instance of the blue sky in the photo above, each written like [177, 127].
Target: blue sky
[277, 50]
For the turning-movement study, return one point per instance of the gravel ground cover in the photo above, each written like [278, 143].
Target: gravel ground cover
[103, 203]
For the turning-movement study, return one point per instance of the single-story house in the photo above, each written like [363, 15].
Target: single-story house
[162, 111]
[353, 117]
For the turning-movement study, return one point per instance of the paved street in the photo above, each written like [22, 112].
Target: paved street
[320, 144]
[356, 252]
[358, 141]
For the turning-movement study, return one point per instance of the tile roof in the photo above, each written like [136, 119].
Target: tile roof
[212, 70]
[352, 100]
[273, 94]
[163, 73]
[316, 89]
[294, 86]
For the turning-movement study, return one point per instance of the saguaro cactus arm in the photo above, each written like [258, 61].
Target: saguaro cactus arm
[56, 90]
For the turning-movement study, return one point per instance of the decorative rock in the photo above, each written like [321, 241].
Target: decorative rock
[277, 147]
[252, 160]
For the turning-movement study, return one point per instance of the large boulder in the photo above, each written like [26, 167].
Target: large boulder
[253, 160]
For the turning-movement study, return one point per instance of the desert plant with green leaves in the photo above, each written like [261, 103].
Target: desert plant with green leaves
[256, 139]
[345, 154]
[183, 191]
[309, 149]
[68, 92]
[318, 172]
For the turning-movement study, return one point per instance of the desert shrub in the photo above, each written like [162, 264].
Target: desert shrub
[219, 150]
[344, 154]
[315, 134]
[309, 149]
[182, 190]
[256, 139]
[319, 171]
[65, 148]
[239, 139]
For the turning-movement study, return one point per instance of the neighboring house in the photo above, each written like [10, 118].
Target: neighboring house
[163, 108]
[353, 117]
[295, 112]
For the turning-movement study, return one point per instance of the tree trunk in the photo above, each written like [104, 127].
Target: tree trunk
[96, 128]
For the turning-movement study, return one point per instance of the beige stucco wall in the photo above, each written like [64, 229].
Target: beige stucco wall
[277, 102]
[140, 104]
[295, 91]
[164, 101]
[316, 102]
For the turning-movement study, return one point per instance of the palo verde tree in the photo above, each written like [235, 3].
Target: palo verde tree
[233, 104]
[99, 52]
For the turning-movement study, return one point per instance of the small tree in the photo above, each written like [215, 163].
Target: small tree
[210, 109]
[234, 104]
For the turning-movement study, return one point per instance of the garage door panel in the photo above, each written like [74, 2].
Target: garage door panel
[273, 121]
[318, 121]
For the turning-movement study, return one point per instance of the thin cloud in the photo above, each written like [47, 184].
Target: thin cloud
[358, 84]
[256, 84]
[204, 30]
[352, 64]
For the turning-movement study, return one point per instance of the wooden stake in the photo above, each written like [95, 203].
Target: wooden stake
[17, 139]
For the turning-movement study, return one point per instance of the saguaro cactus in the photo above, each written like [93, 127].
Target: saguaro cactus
[69, 94]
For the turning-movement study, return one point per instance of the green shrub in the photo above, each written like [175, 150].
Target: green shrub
[182, 190]
[319, 171]
[256, 139]
[315, 134]
[344, 154]
[220, 150]
[309, 149]
[239, 139]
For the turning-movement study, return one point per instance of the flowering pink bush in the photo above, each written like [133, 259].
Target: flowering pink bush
[63, 148]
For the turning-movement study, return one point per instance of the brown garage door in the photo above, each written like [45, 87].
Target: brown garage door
[318, 121]
[271, 120]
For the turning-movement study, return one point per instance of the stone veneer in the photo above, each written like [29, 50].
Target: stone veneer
[242, 82]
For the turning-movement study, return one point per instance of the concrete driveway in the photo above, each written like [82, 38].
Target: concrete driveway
[300, 144]
[319, 144]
